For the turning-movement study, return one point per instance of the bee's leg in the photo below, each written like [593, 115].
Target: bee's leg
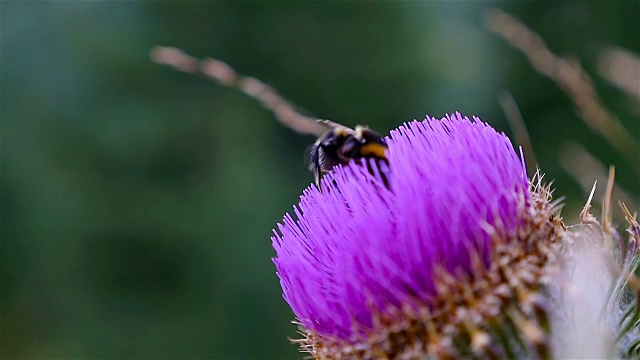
[317, 175]
[314, 164]
[379, 168]
[383, 169]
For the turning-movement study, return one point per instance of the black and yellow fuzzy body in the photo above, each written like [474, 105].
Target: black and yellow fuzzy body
[341, 144]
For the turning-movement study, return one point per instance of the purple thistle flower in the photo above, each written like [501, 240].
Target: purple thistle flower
[358, 248]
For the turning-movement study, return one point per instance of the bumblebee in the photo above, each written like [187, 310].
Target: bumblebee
[340, 144]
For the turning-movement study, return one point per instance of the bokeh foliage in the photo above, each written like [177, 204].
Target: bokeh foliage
[137, 202]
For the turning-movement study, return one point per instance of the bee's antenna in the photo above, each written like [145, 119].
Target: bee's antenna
[225, 75]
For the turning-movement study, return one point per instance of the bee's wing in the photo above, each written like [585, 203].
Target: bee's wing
[329, 124]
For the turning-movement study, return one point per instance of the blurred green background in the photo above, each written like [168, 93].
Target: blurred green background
[137, 202]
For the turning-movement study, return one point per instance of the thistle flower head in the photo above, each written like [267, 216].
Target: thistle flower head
[369, 269]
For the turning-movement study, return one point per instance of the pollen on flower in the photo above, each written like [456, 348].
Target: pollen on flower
[425, 265]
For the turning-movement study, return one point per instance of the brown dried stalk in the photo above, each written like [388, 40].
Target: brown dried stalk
[519, 128]
[225, 75]
[569, 75]
[584, 168]
[622, 68]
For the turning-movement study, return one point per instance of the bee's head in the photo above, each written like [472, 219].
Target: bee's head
[350, 145]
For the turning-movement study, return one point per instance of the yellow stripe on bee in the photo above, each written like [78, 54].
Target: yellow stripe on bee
[373, 150]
